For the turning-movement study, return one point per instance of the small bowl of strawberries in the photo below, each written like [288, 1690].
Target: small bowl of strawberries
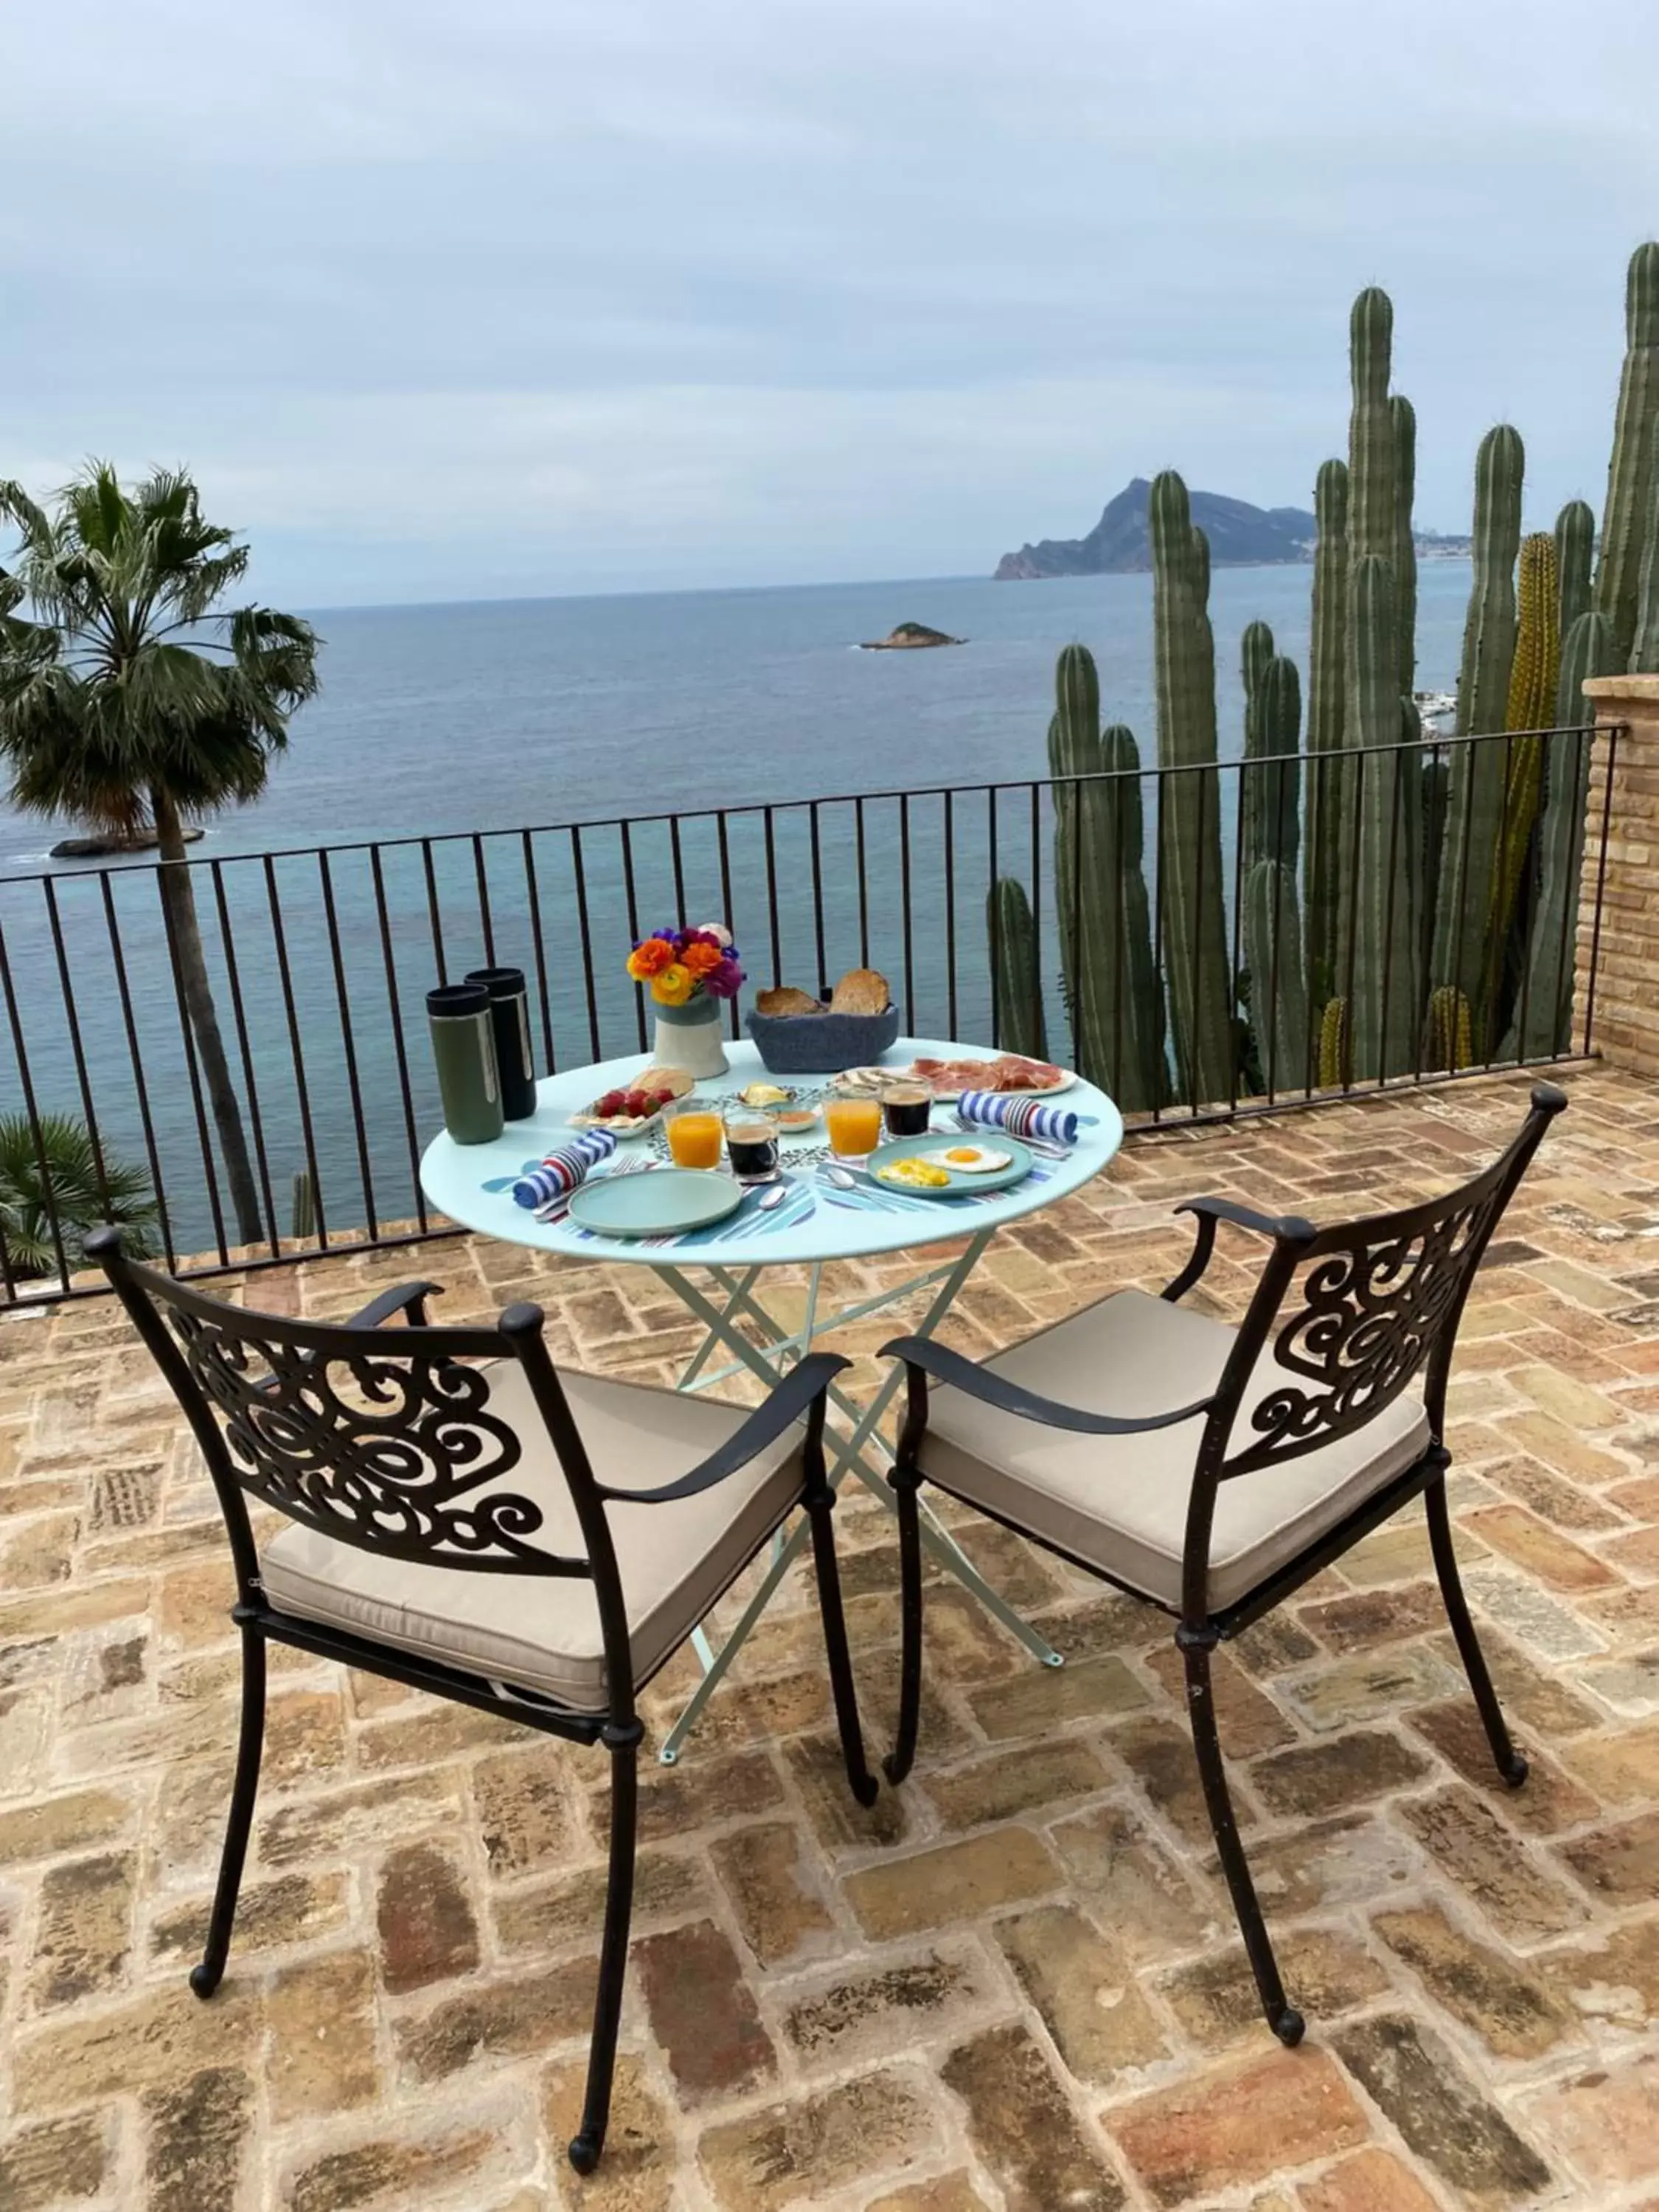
[631, 1108]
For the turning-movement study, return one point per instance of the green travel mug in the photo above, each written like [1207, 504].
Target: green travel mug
[463, 1047]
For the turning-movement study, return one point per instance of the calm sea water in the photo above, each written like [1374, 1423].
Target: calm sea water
[503, 717]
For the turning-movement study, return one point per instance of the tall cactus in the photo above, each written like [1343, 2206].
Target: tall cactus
[1327, 814]
[1112, 988]
[1016, 970]
[1385, 982]
[1531, 706]
[1404, 419]
[1371, 472]
[1474, 804]
[1545, 1012]
[1270, 791]
[1575, 544]
[1630, 469]
[1255, 650]
[1278, 993]
[1189, 860]
[1645, 645]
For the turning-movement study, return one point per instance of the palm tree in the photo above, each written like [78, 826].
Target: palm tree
[60, 1179]
[131, 699]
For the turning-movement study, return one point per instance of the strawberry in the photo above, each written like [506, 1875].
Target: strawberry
[614, 1102]
[636, 1102]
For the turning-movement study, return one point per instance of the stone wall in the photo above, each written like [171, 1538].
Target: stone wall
[1625, 1011]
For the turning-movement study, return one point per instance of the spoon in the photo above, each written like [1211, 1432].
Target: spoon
[774, 1197]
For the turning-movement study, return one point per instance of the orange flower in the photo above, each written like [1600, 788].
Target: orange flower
[649, 958]
[700, 958]
[673, 986]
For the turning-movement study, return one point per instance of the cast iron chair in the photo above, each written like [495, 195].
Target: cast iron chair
[1283, 1455]
[389, 1454]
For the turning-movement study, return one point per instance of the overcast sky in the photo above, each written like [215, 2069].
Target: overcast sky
[448, 299]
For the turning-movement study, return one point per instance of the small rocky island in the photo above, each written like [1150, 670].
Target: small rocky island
[98, 845]
[906, 637]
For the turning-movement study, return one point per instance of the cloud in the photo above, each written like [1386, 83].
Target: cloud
[551, 296]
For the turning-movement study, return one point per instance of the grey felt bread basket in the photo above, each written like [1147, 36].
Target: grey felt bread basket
[821, 1044]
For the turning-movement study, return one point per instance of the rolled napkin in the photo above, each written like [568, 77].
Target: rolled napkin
[561, 1171]
[1020, 1117]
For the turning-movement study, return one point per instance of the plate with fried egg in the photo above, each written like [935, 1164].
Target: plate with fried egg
[925, 1167]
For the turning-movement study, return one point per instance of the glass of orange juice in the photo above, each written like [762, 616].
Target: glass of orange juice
[854, 1127]
[693, 1134]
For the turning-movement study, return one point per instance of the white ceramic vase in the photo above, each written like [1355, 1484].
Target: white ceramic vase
[689, 1036]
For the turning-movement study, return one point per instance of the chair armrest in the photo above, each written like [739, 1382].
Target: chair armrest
[412, 1296]
[960, 1373]
[1211, 1210]
[796, 1396]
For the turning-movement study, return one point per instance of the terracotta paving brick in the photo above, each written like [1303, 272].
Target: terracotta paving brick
[1017, 1981]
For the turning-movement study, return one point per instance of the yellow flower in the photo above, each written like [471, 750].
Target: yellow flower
[673, 986]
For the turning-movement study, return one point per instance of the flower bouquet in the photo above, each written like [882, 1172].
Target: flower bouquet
[691, 972]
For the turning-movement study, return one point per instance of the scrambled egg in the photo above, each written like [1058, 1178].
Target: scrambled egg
[916, 1174]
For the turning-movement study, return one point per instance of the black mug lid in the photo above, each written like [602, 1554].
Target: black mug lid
[499, 982]
[457, 998]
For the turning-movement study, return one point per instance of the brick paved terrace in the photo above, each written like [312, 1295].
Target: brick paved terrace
[1016, 1982]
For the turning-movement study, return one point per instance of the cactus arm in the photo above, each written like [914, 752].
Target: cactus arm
[1016, 970]
[1575, 540]
[1384, 1030]
[1644, 642]
[1279, 995]
[1531, 705]
[1474, 804]
[1189, 863]
[1327, 815]
[1371, 477]
[1630, 467]
[1404, 419]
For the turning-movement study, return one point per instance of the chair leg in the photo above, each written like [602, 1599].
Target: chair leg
[239, 1822]
[586, 2144]
[1509, 1763]
[1286, 2023]
[906, 1483]
[820, 1503]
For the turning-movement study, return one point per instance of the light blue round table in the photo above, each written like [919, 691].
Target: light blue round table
[818, 1221]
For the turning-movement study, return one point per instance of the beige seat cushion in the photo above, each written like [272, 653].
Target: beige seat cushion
[541, 1632]
[1120, 1502]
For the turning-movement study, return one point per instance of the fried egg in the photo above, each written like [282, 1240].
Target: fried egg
[915, 1174]
[969, 1159]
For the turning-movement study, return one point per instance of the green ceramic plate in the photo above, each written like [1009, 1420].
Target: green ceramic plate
[664, 1203]
[939, 1140]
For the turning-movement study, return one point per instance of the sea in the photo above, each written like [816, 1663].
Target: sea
[434, 722]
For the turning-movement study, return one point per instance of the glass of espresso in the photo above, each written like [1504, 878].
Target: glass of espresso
[906, 1108]
[751, 1146]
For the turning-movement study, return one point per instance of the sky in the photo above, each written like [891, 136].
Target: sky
[517, 297]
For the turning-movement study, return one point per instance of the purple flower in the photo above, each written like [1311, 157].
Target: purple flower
[722, 982]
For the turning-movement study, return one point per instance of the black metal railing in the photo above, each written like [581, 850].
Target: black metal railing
[318, 960]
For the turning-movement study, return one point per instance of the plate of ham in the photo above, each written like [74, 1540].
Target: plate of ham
[948, 1079]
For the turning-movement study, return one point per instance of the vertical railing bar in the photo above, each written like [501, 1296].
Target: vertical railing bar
[141, 1088]
[1279, 873]
[301, 1090]
[245, 1048]
[83, 1080]
[1198, 945]
[864, 887]
[909, 920]
[1473, 757]
[726, 919]
[1351, 1025]
[772, 897]
[949, 915]
[208, 1172]
[1614, 732]
[1564, 978]
[432, 910]
[817, 899]
[1318, 816]
[1495, 952]
[1157, 923]
[1036, 904]
[48, 1189]
[1523, 1004]
[343, 999]
[680, 914]
[1423, 952]
[389, 959]
[532, 890]
[486, 919]
[631, 893]
[1397, 762]
[587, 937]
[991, 905]
[1119, 935]
[1238, 927]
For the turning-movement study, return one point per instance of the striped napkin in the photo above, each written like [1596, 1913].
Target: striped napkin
[1020, 1117]
[561, 1171]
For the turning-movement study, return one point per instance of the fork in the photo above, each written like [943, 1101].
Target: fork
[557, 1208]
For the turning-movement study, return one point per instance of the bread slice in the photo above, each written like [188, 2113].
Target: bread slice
[861, 991]
[785, 999]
